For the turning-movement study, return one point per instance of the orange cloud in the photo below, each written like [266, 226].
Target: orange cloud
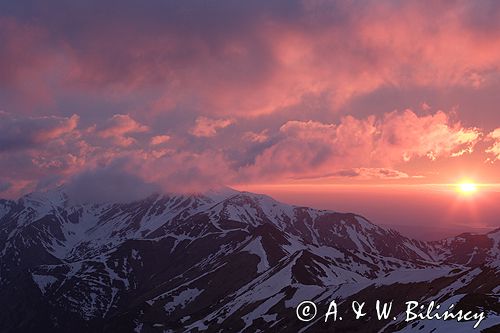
[494, 149]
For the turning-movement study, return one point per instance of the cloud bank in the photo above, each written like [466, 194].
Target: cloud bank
[370, 147]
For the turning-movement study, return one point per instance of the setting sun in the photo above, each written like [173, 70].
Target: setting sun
[467, 188]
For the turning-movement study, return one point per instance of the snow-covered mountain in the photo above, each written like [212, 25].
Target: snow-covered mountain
[223, 261]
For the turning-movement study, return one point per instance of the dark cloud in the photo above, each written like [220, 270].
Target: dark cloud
[108, 184]
[29, 132]
[4, 185]
[347, 173]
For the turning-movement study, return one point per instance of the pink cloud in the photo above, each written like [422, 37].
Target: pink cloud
[207, 127]
[268, 63]
[266, 83]
[66, 125]
[119, 128]
[258, 137]
[362, 148]
[309, 148]
[405, 135]
[27, 132]
[37, 149]
[159, 139]
[32, 64]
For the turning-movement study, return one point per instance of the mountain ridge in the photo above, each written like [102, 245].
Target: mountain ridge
[226, 257]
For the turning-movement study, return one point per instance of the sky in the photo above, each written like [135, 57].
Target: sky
[189, 95]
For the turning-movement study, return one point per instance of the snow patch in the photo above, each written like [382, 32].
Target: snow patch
[182, 299]
[43, 281]
[255, 247]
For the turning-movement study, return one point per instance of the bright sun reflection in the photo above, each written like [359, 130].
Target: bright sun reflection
[467, 188]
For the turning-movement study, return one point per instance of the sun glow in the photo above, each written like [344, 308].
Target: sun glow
[467, 188]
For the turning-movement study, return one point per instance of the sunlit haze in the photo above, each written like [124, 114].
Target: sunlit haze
[422, 211]
[467, 188]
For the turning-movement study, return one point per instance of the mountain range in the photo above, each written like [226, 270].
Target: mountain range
[226, 261]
